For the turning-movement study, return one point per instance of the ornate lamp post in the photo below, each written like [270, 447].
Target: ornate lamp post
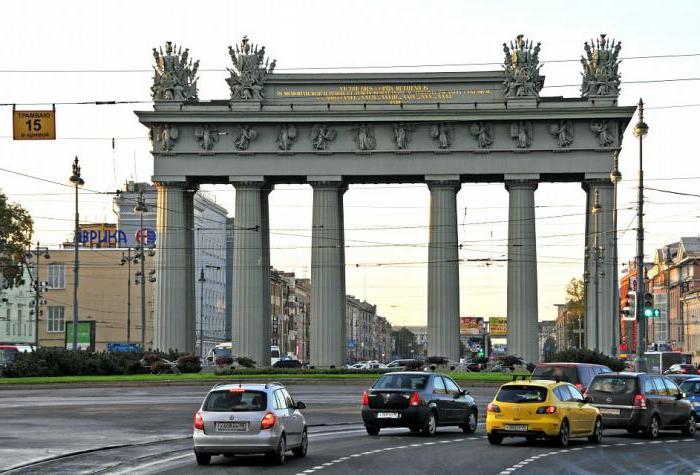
[615, 178]
[597, 256]
[141, 208]
[640, 131]
[78, 182]
[201, 281]
[126, 259]
[39, 287]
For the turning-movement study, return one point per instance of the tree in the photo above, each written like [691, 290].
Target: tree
[574, 312]
[574, 294]
[405, 341]
[16, 229]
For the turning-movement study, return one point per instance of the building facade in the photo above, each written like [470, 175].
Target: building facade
[17, 319]
[103, 297]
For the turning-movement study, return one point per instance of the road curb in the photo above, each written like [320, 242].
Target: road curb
[212, 382]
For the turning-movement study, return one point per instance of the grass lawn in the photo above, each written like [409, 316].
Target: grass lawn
[458, 376]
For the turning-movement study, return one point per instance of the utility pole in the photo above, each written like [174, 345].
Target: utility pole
[640, 131]
[141, 208]
[78, 182]
[127, 260]
[615, 178]
[39, 287]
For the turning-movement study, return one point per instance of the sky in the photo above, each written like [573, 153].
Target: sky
[89, 51]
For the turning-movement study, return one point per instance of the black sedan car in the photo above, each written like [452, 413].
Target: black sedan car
[419, 401]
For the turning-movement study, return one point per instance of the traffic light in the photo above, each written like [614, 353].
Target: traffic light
[629, 307]
[657, 312]
[648, 305]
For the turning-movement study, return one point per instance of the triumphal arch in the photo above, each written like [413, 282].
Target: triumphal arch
[331, 130]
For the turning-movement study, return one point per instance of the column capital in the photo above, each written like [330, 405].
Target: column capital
[173, 184]
[246, 181]
[327, 181]
[590, 184]
[451, 181]
[521, 184]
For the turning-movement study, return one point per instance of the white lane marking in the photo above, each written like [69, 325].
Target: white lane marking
[371, 452]
[156, 462]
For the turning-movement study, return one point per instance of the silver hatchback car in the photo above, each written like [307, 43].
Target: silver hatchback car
[249, 419]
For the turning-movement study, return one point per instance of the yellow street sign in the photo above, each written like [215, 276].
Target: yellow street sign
[34, 125]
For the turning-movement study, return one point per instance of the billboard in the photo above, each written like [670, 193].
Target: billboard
[86, 335]
[471, 325]
[498, 326]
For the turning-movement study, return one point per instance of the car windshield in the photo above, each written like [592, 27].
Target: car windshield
[522, 394]
[562, 373]
[690, 387]
[402, 381]
[235, 400]
[614, 385]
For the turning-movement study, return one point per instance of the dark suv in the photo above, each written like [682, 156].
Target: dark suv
[641, 402]
[578, 374]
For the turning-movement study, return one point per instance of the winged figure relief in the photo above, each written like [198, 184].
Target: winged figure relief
[443, 134]
[563, 131]
[286, 135]
[321, 136]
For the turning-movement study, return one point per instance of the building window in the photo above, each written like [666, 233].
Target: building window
[56, 319]
[57, 276]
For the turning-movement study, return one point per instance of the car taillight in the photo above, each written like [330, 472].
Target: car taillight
[268, 421]
[493, 408]
[415, 399]
[547, 410]
[579, 386]
[640, 401]
[365, 399]
[198, 421]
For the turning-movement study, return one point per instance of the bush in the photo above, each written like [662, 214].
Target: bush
[223, 361]
[584, 355]
[245, 362]
[414, 365]
[510, 361]
[282, 371]
[60, 362]
[436, 360]
[189, 364]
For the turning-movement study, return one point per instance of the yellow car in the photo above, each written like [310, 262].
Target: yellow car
[542, 409]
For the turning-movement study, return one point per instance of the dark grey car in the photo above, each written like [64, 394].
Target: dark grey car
[641, 402]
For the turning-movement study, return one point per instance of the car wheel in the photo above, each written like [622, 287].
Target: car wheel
[563, 437]
[430, 426]
[652, 430]
[202, 459]
[300, 451]
[470, 426]
[690, 428]
[597, 436]
[277, 457]
[371, 430]
[494, 439]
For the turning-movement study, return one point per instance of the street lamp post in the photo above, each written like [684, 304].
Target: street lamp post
[78, 182]
[141, 208]
[127, 260]
[615, 178]
[640, 131]
[597, 256]
[201, 281]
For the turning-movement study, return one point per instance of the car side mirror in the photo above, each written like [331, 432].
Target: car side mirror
[300, 405]
[587, 399]
[680, 396]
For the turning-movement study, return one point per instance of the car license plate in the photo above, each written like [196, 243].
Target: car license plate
[517, 427]
[388, 415]
[611, 412]
[231, 426]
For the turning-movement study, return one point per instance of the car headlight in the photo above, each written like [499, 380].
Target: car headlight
[696, 404]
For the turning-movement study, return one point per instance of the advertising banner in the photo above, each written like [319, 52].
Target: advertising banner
[498, 327]
[86, 335]
[471, 325]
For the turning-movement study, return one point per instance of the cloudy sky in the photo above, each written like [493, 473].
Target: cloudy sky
[86, 51]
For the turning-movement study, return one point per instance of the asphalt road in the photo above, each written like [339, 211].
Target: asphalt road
[150, 428]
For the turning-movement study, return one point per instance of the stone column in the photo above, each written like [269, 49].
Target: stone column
[171, 322]
[443, 268]
[523, 330]
[251, 281]
[602, 316]
[327, 273]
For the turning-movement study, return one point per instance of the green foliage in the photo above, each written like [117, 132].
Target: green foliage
[60, 362]
[189, 363]
[303, 371]
[437, 360]
[584, 355]
[510, 361]
[245, 362]
[16, 228]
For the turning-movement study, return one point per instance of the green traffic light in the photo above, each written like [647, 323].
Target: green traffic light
[648, 312]
[657, 312]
